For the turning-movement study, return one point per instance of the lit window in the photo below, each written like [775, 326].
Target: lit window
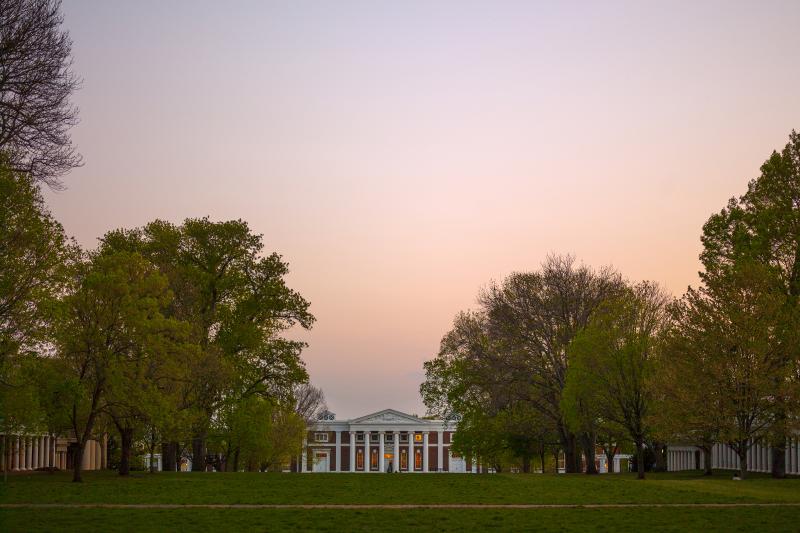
[321, 437]
[417, 437]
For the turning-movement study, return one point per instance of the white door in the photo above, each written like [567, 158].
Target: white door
[320, 461]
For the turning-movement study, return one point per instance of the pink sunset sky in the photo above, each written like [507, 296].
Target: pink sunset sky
[400, 155]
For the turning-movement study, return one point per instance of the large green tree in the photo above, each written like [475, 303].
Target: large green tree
[35, 261]
[237, 305]
[763, 226]
[731, 341]
[107, 326]
[615, 355]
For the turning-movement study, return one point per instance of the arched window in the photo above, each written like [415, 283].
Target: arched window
[418, 459]
[360, 459]
[403, 460]
[373, 458]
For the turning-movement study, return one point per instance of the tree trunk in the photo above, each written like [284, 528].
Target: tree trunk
[541, 458]
[639, 460]
[661, 457]
[779, 458]
[588, 452]
[571, 458]
[126, 443]
[610, 460]
[236, 460]
[707, 471]
[742, 461]
[555, 462]
[77, 463]
[199, 453]
[526, 465]
[169, 459]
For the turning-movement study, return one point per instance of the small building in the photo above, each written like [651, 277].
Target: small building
[385, 441]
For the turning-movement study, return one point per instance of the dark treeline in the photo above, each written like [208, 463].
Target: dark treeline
[568, 359]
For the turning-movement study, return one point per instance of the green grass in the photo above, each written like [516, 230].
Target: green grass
[199, 520]
[255, 488]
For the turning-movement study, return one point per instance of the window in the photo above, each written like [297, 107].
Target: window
[390, 437]
[403, 460]
[404, 437]
[360, 459]
[359, 437]
[373, 458]
[418, 459]
[417, 437]
[373, 437]
[321, 437]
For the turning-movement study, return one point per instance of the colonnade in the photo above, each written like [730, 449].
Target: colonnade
[31, 452]
[382, 443]
[27, 452]
[723, 457]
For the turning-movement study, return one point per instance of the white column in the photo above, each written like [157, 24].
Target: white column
[53, 450]
[367, 444]
[34, 453]
[410, 451]
[440, 451]
[42, 452]
[396, 458]
[352, 451]
[381, 462]
[15, 453]
[28, 449]
[424, 451]
[338, 451]
[304, 455]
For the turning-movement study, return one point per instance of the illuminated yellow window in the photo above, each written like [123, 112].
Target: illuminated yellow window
[417, 437]
[359, 459]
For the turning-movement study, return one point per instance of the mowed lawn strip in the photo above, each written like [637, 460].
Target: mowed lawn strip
[259, 488]
[200, 520]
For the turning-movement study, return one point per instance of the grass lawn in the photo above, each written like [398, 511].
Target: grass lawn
[255, 488]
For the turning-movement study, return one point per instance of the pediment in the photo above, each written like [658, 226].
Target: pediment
[388, 416]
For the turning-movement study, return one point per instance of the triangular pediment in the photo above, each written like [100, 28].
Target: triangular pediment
[388, 416]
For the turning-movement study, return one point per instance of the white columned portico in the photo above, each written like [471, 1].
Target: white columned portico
[381, 462]
[396, 457]
[440, 451]
[410, 451]
[352, 451]
[424, 451]
[338, 451]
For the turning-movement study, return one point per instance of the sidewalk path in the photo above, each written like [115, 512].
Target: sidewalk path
[383, 506]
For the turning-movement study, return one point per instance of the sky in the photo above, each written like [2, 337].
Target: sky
[402, 155]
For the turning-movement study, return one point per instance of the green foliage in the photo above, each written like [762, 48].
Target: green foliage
[35, 261]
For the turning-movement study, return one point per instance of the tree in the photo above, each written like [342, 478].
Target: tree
[536, 316]
[35, 259]
[114, 314]
[36, 83]
[763, 226]
[616, 353]
[736, 329]
[236, 303]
